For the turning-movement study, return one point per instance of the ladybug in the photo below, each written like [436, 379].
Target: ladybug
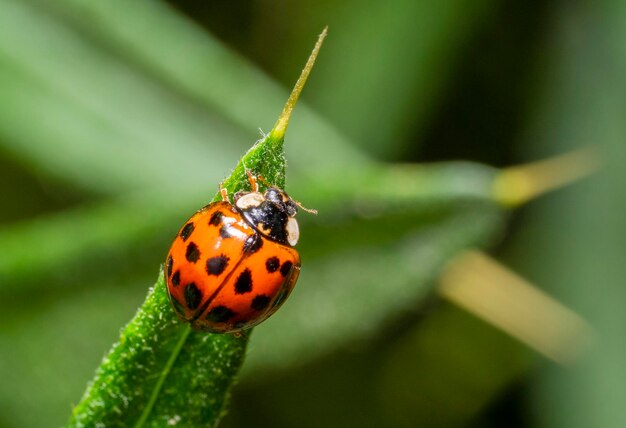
[231, 266]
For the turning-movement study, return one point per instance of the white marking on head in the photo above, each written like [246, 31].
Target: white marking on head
[252, 199]
[293, 232]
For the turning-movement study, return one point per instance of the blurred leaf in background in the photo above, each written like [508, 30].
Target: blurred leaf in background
[118, 119]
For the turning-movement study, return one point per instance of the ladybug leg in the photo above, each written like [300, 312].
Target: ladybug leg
[224, 193]
[252, 180]
[262, 180]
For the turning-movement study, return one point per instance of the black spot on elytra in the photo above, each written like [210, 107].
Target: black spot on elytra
[225, 232]
[286, 268]
[272, 264]
[220, 314]
[253, 244]
[169, 265]
[260, 302]
[193, 296]
[216, 265]
[187, 230]
[216, 218]
[176, 278]
[193, 253]
[177, 306]
[244, 282]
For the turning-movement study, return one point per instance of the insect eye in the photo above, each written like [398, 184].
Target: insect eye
[292, 208]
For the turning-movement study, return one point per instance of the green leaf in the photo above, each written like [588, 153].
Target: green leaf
[157, 353]
[161, 372]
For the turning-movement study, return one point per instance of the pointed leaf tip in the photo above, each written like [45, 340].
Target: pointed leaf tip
[283, 120]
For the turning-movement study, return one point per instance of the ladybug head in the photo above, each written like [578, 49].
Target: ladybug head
[281, 200]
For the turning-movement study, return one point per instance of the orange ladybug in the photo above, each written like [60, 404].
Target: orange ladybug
[232, 266]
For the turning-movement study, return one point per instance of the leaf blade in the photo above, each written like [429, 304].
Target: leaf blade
[126, 377]
[135, 372]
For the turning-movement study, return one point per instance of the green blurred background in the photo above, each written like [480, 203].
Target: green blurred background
[117, 120]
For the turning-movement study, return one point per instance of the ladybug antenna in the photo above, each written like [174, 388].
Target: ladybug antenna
[303, 208]
[283, 120]
[224, 193]
[252, 180]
